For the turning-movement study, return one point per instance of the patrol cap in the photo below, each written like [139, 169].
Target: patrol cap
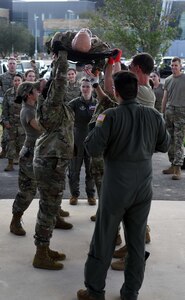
[25, 88]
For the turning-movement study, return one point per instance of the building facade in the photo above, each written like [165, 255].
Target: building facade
[177, 7]
[43, 18]
[35, 14]
[6, 9]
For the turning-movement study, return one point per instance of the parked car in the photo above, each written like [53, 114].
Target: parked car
[164, 67]
[39, 64]
[49, 69]
[48, 72]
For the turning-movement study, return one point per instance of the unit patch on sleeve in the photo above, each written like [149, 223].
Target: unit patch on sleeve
[100, 118]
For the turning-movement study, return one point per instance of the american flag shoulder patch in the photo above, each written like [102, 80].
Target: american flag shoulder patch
[101, 118]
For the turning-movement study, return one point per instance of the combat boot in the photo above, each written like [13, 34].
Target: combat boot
[84, 295]
[169, 171]
[93, 218]
[15, 225]
[9, 166]
[63, 213]
[91, 201]
[121, 252]
[177, 173]
[55, 255]
[42, 260]
[118, 265]
[147, 238]
[62, 224]
[73, 200]
[118, 240]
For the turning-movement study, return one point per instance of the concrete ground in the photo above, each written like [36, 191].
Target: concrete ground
[163, 187]
[165, 269]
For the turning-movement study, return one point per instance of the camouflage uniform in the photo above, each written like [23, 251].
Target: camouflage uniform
[11, 116]
[96, 55]
[66, 38]
[53, 150]
[73, 91]
[176, 150]
[97, 163]
[26, 180]
[175, 117]
[6, 82]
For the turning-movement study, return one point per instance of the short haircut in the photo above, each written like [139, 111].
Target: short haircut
[11, 58]
[176, 58]
[144, 61]
[126, 84]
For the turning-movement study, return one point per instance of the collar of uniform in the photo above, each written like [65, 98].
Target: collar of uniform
[86, 101]
[75, 84]
[130, 101]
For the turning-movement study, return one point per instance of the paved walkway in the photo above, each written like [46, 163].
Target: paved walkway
[164, 188]
[165, 269]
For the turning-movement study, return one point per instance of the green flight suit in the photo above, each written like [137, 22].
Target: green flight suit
[127, 136]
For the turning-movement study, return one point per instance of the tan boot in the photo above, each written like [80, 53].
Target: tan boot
[148, 238]
[91, 201]
[93, 218]
[42, 260]
[84, 295]
[73, 200]
[15, 225]
[9, 166]
[118, 265]
[63, 213]
[55, 255]
[168, 171]
[62, 224]
[118, 240]
[121, 252]
[177, 173]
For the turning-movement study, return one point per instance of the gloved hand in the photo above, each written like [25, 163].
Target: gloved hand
[118, 56]
[110, 60]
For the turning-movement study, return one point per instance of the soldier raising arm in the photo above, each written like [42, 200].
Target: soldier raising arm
[53, 150]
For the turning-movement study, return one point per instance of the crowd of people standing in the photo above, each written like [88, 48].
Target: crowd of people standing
[113, 128]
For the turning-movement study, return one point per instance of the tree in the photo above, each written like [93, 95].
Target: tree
[135, 25]
[15, 37]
